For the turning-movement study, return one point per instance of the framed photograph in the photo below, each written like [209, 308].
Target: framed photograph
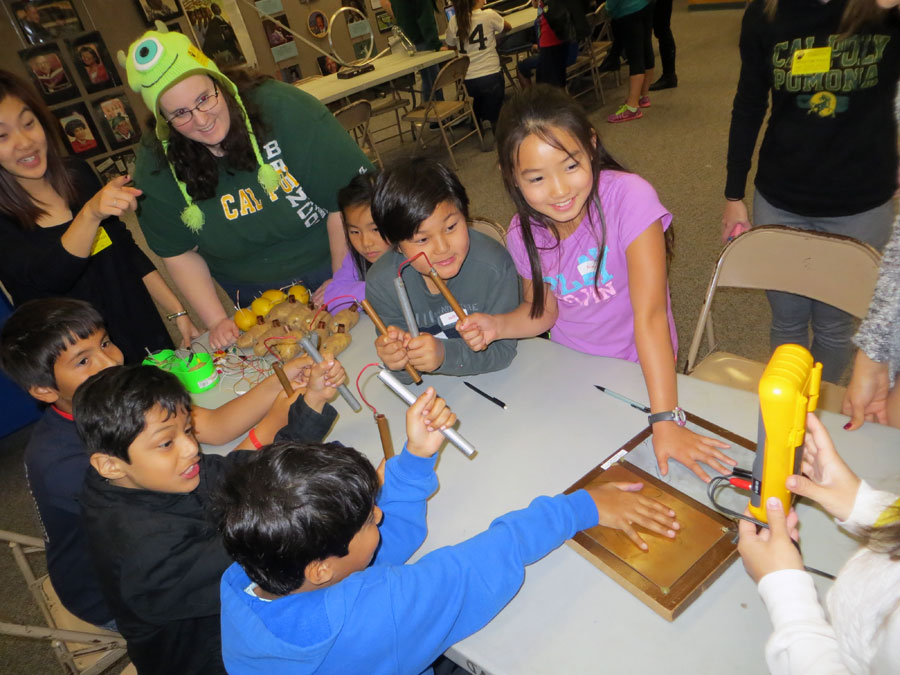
[361, 49]
[49, 73]
[107, 169]
[117, 121]
[219, 31]
[318, 24]
[46, 20]
[79, 130]
[128, 159]
[328, 65]
[281, 42]
[164, 10]
[174, 27]
[384, 22]
[92, 62]
[355, 4]
[291, 74]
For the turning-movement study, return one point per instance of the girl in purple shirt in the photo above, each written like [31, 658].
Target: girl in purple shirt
[364, 240]
[596, 238]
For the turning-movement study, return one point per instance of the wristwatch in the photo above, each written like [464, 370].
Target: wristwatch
[676, 415]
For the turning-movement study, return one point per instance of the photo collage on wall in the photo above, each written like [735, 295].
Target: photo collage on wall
[281, 41]
[71, 68]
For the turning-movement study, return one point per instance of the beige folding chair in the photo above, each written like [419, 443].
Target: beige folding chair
[80, 648]
[449, 112]
[827, 267]
[355, 119]
[602, 39]
[587, 62]
[492, 229]
[391, 102]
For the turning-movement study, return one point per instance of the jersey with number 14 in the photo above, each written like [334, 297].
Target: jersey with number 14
[481, 47]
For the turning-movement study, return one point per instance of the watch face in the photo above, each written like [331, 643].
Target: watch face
[679, 417]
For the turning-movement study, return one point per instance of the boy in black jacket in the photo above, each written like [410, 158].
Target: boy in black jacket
[145, 509]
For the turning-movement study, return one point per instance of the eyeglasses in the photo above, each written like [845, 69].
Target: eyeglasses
[207, 103]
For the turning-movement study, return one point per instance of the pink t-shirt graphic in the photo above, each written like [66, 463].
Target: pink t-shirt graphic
[596, 320]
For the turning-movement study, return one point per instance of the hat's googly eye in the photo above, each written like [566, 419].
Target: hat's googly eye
[147, 54]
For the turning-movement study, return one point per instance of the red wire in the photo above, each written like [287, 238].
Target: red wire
[276, 337]
[409, 260]
[328, 305]
[369, 365]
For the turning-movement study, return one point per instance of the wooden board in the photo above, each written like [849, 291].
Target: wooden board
[672, 573]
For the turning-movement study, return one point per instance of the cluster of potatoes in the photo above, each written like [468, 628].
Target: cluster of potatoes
[288, 317]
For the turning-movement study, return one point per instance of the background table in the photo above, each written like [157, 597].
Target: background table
[330, 88]
[569, 617]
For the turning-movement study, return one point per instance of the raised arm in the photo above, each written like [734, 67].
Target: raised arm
[53, 269]
[114, 199]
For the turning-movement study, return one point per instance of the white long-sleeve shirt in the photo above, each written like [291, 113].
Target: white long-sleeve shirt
[861, 633]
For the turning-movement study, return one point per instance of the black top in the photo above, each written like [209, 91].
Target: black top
[160, 558]
[55, 464]
[34, 264]
[830, 147]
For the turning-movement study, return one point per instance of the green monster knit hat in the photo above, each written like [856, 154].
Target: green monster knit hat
[157, 60]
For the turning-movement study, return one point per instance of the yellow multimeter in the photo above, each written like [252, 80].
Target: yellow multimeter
[788, 389]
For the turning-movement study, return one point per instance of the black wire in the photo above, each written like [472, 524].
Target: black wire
[711, 488]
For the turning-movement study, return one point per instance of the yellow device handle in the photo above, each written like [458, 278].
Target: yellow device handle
[788, 389]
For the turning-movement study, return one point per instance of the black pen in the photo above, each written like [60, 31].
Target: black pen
[490, 398]
[624, 399]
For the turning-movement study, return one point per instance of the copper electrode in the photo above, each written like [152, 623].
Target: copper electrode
[387, 445]
[285, 382]
[448, 296]
[379, 324]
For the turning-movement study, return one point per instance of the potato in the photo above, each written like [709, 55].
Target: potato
[300, 317]
[275, 330]
[288, 349]
[323, 334]
[336, 343]
[344, 320]
[282, 312]
[249, 338]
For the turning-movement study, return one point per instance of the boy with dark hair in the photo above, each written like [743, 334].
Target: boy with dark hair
[421, 207]
[49, 347]
[319, 584]
[145, 508]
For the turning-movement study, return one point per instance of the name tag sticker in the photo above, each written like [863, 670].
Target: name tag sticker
[587, 267]
[449, 319]
[101, 241]
[811, 61]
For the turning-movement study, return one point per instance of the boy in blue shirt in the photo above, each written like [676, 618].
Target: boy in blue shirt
[421, 207]
[320, 586]
[49, 347]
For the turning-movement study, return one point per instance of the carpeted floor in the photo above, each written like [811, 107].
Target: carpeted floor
[679, 146]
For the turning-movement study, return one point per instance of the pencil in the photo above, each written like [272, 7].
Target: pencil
[624, 399]
[490, 398]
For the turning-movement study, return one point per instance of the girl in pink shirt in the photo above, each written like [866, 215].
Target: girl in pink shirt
[596, 238]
